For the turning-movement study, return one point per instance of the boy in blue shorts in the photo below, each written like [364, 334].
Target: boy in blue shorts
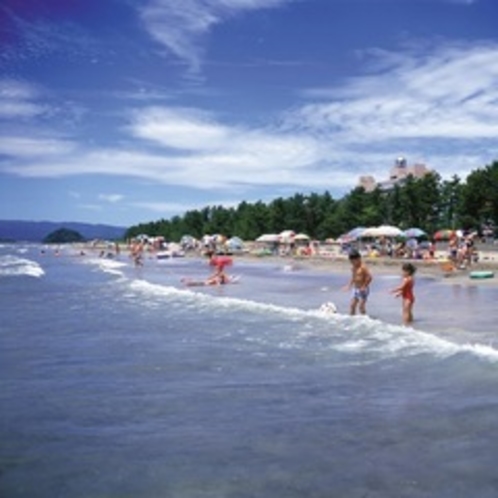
[359, 284]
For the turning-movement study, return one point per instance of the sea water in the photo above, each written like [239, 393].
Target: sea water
[119, 382]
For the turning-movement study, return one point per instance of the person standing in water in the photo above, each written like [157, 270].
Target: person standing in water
[359, 284]
[405, 291]
[136, 252]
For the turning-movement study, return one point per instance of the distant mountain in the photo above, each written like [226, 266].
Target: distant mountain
[36, 231]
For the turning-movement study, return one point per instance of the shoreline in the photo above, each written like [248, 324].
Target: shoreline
[434, 269]
[437, 268]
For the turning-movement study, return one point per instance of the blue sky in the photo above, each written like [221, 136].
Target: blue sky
[128, 111]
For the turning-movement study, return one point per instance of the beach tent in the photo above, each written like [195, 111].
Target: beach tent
[235, 244]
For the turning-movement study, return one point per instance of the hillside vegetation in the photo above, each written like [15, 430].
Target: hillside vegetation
[428, 203]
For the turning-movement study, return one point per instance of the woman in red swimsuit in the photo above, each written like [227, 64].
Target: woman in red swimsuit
[219, 276]
[405, 290]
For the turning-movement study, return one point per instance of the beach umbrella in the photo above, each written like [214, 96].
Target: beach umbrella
[301, 236]
[344, 239]
[355, 232]
[207, 239]
[444, 234]
[382, 231]
[352, 234]
[287, 236]
[219, 238]
[414, 233]
[187, 241]
[268, 237]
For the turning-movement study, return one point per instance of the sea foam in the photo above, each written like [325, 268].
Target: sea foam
[16, 266]
[346, 334]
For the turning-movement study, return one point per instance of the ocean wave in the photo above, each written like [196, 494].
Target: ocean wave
[220, 302]
[16, 266]
[387, 340]
[342, 333]
[107, 265]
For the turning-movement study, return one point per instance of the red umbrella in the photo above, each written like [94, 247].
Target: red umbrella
[444, 234]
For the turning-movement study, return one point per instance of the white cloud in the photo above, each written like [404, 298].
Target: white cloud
[168, 207]
[450, 93]
[439, 108]
[180, 208]
[112, 198]
[34, 147]
[180, 128]
[180, 25]
[12, 89]
[463, 2]
[282, 162]
[17, 100]
[198, 132]
[18, 109]
[90, 207]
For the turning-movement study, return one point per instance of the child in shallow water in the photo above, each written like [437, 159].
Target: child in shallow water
[405, 291]
[361, 278]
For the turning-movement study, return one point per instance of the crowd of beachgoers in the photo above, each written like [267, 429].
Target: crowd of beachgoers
[457, 256]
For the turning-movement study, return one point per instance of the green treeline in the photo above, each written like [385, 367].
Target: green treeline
[429, 203]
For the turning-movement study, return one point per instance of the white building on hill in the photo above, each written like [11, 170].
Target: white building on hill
[397, 176]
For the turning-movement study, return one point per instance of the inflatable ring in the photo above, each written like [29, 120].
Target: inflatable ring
[481, 274]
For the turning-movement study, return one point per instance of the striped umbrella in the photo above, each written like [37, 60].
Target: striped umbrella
[444, 234]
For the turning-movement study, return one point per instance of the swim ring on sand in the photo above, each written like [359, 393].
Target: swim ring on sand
[481, 274]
